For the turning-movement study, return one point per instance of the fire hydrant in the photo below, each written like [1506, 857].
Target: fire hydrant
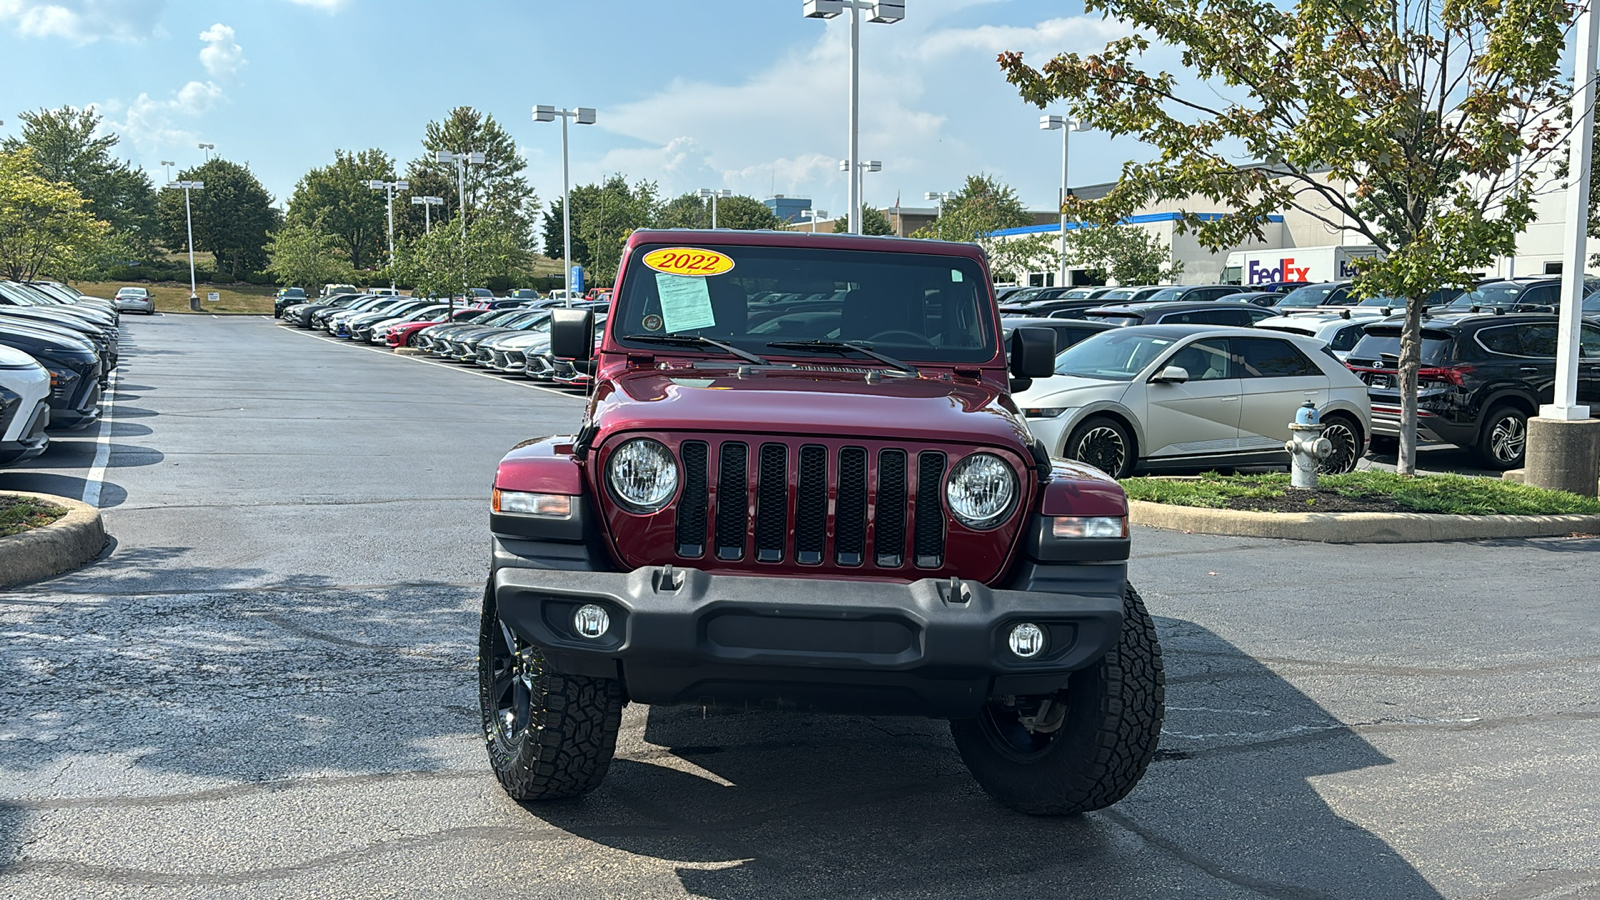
[1307, 447]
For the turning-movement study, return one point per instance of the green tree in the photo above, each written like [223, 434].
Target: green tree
[604, 215]
[300, 254]
[336, 200]
[497, 189]
[1399, 121]
[67, 148]
[45, 225]
[441, 264]
[983, 206]
[553, 231]
[1127, 254]
[233, 215]
[738, 212]
[873, 221]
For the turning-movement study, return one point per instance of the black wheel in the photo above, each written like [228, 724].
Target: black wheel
[549, 736]
[1504, 440]
[1345, 436]
[1384, 443]
[1083, 748]
[1103, 443]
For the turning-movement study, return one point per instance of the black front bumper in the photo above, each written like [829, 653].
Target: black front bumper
[929, 648]
[32, 441]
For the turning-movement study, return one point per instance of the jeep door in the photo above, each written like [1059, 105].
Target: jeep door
[1276, 378]
[1199, 417]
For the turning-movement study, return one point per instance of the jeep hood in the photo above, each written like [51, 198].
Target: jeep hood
[824, 401]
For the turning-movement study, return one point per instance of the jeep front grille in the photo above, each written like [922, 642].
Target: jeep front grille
[814, 504]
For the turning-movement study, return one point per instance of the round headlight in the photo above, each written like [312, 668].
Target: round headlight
[981, 490]
[643, 475]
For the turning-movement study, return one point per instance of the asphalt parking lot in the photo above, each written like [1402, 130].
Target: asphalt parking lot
[268, 688]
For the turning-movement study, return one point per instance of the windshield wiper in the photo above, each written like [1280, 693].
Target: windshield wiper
[844, 347]
[697, 340]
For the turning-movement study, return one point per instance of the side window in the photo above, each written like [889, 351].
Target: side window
[1179, 318]
[1272, 358]
[1239, 317]
[1501, 339]
[1541, 295]
[1205, 360]
[1589, 342]
[1339, 297]
[1208, 316]
[1538, 339]
[1345, 338]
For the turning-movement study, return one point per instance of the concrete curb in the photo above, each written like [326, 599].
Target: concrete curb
[1355, 528]
[407, 351]
[64, 544]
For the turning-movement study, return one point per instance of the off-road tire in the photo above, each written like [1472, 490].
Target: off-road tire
[1113, 723]
[571, 731]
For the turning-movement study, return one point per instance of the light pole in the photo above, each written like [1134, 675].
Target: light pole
[1066, 127]
[583, 115]
[389, 187]
[708, 192]
[865, 165]
[427, 204]
[168, 164]
[885, 12]
[208, 148]
[812, 215]
[939, 198]
[461, 161]
[188, 215]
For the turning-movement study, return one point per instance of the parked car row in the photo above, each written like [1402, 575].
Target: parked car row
[58, 348]
[505, 335]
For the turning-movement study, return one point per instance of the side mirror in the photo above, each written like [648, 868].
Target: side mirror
[572, 333]
[1033, 352]
[1171, 375]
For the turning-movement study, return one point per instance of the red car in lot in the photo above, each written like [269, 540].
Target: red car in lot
[401, 336]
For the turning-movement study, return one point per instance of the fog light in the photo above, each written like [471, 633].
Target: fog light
[1027, 640]
[591, 621]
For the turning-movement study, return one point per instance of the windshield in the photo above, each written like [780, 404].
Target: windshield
[1118, 294]
[1488, 295]
[1312, 295]
[1170, 293]
[1383, 349]
[1111, 355]
[908, 305]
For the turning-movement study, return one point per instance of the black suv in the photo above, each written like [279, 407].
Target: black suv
[1186, 292]
[1044, 301]
[1206, 312]
[1540, 294]
[1482, 376]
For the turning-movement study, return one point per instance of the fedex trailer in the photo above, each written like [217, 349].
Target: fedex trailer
[1309, 264]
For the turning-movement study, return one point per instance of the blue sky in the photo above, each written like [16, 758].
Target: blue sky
[740, 94]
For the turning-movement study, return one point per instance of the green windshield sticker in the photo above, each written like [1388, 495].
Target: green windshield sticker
[685, 302]
[955, 276]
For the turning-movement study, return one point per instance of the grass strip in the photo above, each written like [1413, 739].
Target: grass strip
[1447, 494]
[19, 514]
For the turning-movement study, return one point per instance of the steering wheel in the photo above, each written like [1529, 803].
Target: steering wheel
[918, 340]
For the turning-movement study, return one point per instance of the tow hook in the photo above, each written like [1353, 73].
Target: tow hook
[668, 579]
[955, 591]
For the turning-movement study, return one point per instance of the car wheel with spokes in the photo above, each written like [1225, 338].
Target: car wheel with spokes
[1505, 437]
[1345, 436]
[1104, 443]
[550, 736]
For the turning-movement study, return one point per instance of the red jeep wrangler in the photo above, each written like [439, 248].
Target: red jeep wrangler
[801, 483]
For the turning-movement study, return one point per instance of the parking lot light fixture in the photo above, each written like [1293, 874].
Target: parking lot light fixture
[865, 165]
[389, 187]
[461, 161]
[812, 215]
[885, 12]
[188, 216]
[939, 199]
[583, 115]
[708, 192]
[168, 164]
[427, 204]
[208, 148]
[1066, 127]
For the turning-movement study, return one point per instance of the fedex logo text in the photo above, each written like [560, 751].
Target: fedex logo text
[1285, 270]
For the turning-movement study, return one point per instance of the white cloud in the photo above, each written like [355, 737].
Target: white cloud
[153, 125]
[934, 108]
[83, 21]
[221, 56]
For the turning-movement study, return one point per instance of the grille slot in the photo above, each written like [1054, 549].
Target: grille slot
[889, 534]
[691, 533]
[811, 505]
[772, 506]
[850, 517]
[732, 483]
[930, 512]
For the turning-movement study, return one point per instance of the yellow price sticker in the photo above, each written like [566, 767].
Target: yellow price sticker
[688, 261]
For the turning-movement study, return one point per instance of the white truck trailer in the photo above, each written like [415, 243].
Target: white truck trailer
[1309, 264]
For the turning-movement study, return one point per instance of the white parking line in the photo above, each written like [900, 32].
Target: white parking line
[102, 447]
[390, 354]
